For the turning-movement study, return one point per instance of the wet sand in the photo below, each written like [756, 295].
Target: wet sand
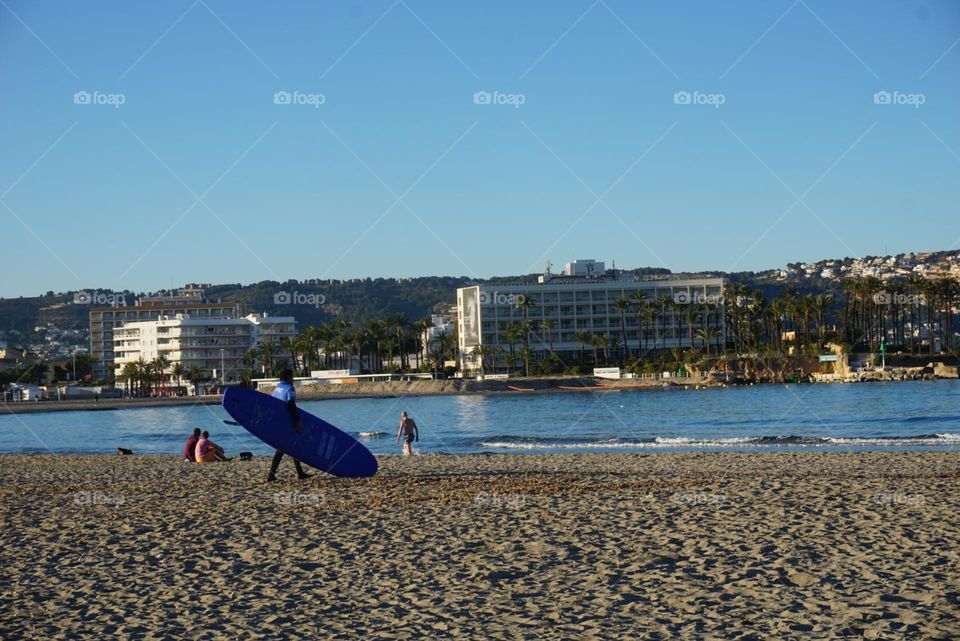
[595, 546]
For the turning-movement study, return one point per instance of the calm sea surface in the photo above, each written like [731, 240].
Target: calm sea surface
[884, 416]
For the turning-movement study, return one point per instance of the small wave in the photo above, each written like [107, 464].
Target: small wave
[946, 438]
[369, 436]
[666, 442]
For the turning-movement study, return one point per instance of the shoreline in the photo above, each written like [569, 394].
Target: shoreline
[397, 389]
[679, 545]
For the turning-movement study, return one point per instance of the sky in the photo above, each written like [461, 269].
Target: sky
[150, 144]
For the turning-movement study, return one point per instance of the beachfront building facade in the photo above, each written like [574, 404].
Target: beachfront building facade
[104, 320]
[216, 346]
[568, 313]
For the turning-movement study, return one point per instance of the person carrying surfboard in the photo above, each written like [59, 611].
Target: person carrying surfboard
[286, 393]
[409, 431]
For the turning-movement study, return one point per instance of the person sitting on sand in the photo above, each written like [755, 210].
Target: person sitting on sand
[409, 431]
[190, 449]
[285, 392]
[208, 451]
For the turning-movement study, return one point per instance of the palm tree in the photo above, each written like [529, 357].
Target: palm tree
[548, 324]
[622, 305]
[595, 343]
[310, 339]
[604, 342]
[948, 290]
[442, 345]
[177, 372]
[398, 322]
[325, 339]
[675, 308]
[706, 334]
[639, 300]
[662, 303]
[582, 337]
[915, 284]
[142, 376]
[648, 315]
[512, 333]
[821, 304]
[691, 314]
[732, 295]
[929, 293]
[128, 373]
[525, 328]
[268, 350]
[776, 312]
[160, 365]
[289, 346]
[193, 374]
[524, 303]
[478, 354]
[421, 326]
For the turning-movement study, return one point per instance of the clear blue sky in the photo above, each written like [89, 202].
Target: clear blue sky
[295, 191]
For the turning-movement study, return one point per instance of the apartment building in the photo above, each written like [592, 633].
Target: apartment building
[104, 320]
[216, 346]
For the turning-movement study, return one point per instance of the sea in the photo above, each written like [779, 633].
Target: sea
[915, 415]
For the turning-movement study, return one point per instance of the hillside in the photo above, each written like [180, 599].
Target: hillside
[55, 318]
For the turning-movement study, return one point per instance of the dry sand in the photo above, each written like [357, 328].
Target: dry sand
[666, 546]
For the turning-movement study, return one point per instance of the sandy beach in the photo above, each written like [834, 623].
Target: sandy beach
[605, 546]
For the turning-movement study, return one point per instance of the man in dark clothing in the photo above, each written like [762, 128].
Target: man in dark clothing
[286, 393]
[190, 449]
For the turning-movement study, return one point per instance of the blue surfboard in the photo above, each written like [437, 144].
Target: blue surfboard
[318, 444]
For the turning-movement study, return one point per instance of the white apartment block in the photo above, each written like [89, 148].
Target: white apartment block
[216, 345]
[586, 303]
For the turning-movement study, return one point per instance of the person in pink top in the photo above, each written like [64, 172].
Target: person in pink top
[207, 451]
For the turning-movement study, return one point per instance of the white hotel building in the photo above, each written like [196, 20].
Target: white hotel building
[582, 299]
[216, 345]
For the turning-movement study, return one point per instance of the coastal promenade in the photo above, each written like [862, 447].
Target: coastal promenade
[357, 390]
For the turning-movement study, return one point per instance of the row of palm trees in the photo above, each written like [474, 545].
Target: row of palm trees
[145, 378]
[792, 320]
[378, 345]
[906, 313]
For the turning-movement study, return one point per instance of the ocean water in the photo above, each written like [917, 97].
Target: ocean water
[879, 416]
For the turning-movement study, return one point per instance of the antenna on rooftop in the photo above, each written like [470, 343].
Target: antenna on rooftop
[546, 267]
